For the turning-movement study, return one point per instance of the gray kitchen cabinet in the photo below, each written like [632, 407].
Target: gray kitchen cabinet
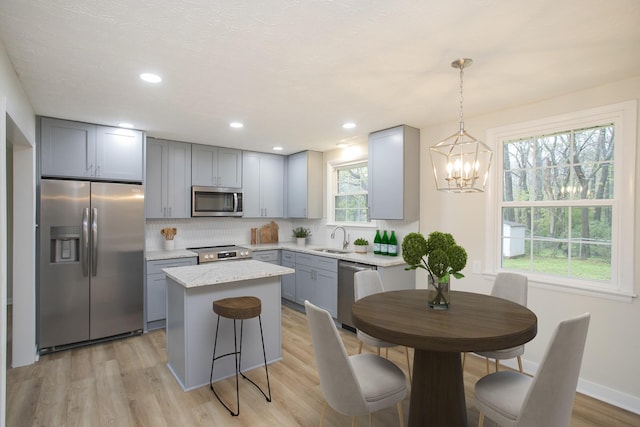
[394, 173]
[216, 166]
[304, 185]
[263, 185]
[156, 290]
[317, 281]
[271, 256]
[288, 282]
[82, 150]
[168, 179]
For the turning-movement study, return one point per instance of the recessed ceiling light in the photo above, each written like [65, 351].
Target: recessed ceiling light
[277, 148]
[236, 125]
[151, 78]
[125, 125]
[349, 125]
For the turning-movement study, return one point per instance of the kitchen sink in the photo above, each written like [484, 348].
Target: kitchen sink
[331, 251]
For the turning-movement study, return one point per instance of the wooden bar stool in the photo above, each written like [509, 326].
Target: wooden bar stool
[239, 308]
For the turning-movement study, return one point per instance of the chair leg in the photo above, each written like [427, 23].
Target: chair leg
[264, 355]
[400, 414]
[213, 359]
[354, 422]
[481, 420]
[386, 352]
[464, 360]
[370, 419]
[406, 350]
[360, 348]
[497, 363]
[324, 409]
[520, 364]
[487, 362]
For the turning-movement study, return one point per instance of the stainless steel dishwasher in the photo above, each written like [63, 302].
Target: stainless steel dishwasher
[346, 270]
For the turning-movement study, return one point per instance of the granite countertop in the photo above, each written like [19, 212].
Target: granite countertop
[177, 253]
[369, 258]
[214, 273]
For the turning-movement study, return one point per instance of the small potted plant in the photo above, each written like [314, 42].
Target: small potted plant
[301, 234]
[361, 245]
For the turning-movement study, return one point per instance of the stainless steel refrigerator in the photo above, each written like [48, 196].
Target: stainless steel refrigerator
[91, 261]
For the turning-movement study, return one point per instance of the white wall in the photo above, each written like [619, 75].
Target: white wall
[15, 104]
[611, 367]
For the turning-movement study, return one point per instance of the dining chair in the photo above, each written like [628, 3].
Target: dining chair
[513, 399]
[353, 385]
[368, 282]
[512, 287]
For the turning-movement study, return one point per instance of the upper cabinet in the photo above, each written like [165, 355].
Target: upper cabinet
[394, 173]
[304, 185]
[216, 166]
[263, 179]
[168, 179]
[82, 150]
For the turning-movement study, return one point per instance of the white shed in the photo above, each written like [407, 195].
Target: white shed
[512, 239]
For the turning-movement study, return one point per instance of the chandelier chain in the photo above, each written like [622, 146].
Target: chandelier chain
[461, 97]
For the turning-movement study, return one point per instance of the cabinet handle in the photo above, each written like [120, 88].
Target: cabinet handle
[169, 212]
[98, 170]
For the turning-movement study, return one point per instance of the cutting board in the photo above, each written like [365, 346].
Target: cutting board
[269, 233]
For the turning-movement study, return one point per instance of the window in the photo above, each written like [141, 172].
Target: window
[558, 213]
[350, 193]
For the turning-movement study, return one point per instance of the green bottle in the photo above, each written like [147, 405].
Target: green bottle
[384, 244]
[393, 244]
[376, 243]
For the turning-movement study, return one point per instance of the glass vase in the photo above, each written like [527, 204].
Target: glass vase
[438, 294]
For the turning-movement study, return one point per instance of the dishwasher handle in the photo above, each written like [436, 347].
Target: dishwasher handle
[355, 267]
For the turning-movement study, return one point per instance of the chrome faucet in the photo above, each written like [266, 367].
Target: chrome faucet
[345, 242]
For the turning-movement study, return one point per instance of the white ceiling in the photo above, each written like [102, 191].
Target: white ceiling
[294, 70]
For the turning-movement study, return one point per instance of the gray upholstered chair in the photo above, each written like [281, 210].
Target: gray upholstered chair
[513, 399]
[513, 287]
[352, 385]
[368, 282]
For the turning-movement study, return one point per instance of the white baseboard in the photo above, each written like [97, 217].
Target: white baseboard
[589, 388]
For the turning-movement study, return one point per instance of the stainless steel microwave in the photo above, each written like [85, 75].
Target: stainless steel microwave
[216, 201]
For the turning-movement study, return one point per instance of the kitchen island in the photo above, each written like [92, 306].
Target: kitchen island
[191, 321]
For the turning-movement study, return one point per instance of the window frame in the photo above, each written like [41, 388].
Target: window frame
[333, 186]
[624, 118]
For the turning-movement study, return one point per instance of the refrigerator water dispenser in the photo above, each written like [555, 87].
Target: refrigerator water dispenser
[65, 244]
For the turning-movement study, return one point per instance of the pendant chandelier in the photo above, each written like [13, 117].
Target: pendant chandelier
[461, 162]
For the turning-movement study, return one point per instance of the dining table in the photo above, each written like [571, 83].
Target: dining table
[473, 322]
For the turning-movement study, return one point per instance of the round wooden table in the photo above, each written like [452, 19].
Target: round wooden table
[474, 322]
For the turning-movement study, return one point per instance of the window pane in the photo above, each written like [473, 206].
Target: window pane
[550, 257]
[350, 194]
[551, 223]
[596, 266]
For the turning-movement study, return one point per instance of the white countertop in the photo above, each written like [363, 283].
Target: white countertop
[368, 258]
[213, 273]
[177, 253]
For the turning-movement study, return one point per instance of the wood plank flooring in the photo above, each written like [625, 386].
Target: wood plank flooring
[127, 383]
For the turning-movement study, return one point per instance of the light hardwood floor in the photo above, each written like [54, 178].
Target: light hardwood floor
[127, 383]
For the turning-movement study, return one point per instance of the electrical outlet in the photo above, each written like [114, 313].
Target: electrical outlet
[476, 267]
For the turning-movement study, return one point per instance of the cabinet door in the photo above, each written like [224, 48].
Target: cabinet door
[325, 291]
[229, 168]
[386, 175]
[288, 283]
[156, 287]
[272, 185]
[304, 283]
[68, 149]
[156, 181]
[297, 186]
[179, 180]
[251, 179]
[118, 154]
[204, 165]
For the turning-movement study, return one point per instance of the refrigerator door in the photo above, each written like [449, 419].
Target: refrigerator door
[63, 293]
[117, 237]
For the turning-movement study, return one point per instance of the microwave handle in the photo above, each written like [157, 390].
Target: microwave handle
[235, 202]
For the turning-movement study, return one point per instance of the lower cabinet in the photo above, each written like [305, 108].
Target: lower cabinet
[156, 290]
[270, 256]
[316, 280]
[288, 281]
